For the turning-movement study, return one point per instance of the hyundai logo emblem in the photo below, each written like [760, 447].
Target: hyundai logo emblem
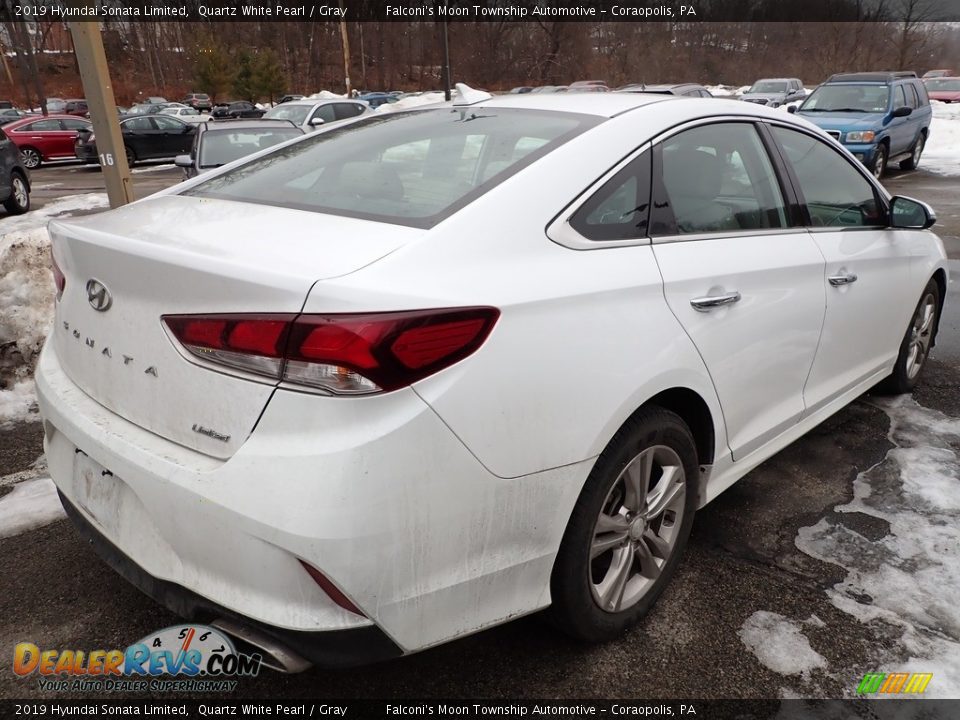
[98, 296]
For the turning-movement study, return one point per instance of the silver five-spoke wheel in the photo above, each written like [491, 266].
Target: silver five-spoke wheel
[637, 529]
[921, 335]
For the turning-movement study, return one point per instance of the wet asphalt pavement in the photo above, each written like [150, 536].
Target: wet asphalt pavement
[741, 558]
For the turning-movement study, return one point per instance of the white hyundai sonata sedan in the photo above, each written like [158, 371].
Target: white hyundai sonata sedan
[396, 382]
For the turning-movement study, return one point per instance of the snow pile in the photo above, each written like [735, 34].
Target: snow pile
[412, 101]
[29, 505]
[324, 95]
[26, 300]
[26, 305]
[910, 578]
[942, 154]
[727, 90]
[779, 643]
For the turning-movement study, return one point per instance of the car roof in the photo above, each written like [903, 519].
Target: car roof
[872, 77]
[50, 116]
[317, 101]
[601, 104]
[774, 79]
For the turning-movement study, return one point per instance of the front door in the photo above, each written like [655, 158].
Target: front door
[746, 286]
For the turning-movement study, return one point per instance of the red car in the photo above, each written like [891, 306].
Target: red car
[945, 89]
[40, 139]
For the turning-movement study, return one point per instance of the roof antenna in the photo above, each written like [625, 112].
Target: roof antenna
[466, 95]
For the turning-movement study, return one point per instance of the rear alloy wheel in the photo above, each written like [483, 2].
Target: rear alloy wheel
[879, 162]
[31, 158]
[913, 161]
[915, 348]
[19, 200]
[628, 528]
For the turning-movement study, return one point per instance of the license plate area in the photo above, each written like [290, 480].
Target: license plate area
[97, 491]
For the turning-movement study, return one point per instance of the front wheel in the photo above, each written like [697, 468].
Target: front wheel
[628, 528]
[879, 162]
[913, 161]
[915, 348]
[19, 200]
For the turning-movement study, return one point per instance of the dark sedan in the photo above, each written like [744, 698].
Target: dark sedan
[236, 109]
[145, 137]
[14, 178]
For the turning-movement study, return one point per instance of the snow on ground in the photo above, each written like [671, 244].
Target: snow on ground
[31, 504]
[780, 644]
[151, 168]
[909, 579]
[26, 300]
[942, 154]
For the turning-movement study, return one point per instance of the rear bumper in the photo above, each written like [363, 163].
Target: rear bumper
[87, 153]
[377, 493]
[332, 649]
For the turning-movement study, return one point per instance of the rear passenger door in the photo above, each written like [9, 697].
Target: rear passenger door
[867, 272]
[744, 281]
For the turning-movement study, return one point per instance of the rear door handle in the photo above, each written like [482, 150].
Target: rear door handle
[706, 304]
[844, 279]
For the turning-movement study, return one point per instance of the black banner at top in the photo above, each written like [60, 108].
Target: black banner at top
[486, 10]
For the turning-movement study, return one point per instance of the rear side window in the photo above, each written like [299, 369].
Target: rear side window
[718, 178]
[836, 194]
[620, 209]
[413, 168]
[347, 110]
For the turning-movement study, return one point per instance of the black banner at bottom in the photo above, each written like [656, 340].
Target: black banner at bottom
[917, 709]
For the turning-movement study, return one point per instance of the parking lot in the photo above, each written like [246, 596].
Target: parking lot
[756, 585]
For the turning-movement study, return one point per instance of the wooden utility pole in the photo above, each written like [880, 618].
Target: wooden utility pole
[345, 41]
[88, 45]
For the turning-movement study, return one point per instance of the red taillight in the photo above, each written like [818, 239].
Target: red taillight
[330, 589]
[343, 354]
[59, 279]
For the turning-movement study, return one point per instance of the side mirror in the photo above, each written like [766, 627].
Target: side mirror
[316, 122]
[792, 109]
[901, 111]
[183, 161]
[910, 214]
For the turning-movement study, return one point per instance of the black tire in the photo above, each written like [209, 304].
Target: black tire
[879, 166]
[906, 373]
[913, 161]
[576, 608]
[19, 201]
[131, 156]
[31, 158]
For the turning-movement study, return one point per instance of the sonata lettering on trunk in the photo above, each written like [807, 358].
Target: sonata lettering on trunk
[106, 352]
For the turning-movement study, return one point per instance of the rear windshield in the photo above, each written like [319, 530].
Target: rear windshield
[948, 85]
[411, 168]
[219, 147]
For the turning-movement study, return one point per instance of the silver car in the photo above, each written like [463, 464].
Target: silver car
[775, 91]
[311, 114]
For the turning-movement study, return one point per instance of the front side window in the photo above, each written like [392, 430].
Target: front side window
[836, 194]
[169, 124]
[75, 124]
[407, 168]
[325, 113]
[620, 209]
[718, 178]
[899, 97]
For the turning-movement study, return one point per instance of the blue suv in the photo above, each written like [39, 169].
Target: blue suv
[878, 116]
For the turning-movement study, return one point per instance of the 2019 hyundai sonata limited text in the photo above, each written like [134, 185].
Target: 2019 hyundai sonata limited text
[404, 379]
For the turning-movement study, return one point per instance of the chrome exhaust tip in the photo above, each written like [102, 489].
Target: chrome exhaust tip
[273, 654]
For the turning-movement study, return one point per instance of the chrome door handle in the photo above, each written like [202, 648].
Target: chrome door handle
[845, 279]
[706, 304]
